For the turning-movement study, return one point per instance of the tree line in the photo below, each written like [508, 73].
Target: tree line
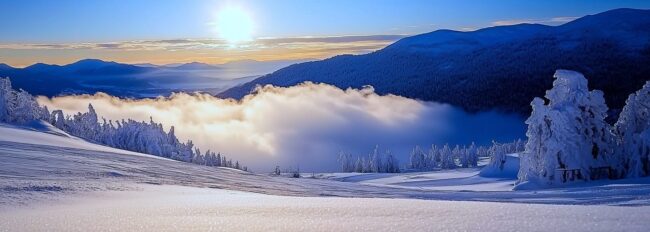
[20, 107]
[435, 158]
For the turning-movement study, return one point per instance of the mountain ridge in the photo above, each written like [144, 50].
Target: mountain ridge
[89, 76]
[500, 68]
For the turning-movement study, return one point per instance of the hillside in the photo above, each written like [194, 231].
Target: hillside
[493, 68]
[53, 181]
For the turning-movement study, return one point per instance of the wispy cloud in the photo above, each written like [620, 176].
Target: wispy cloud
[214, 43]
[204, 50]
[548, 21]
[332, 39]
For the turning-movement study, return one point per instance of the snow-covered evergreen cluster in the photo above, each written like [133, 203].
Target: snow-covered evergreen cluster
[19, 107]
[437, 157]
[376, 162]
[446, 157]
[569, 139]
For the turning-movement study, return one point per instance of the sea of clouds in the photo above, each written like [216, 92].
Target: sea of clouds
[305, 125]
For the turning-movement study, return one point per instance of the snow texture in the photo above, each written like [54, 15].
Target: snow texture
[34, 172]
[173, 208]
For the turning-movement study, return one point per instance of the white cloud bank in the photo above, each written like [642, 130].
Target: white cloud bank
[304, 125]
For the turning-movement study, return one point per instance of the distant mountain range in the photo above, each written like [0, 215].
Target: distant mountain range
[139, 80]
[196, 66]
[499, 68]
[182, 66]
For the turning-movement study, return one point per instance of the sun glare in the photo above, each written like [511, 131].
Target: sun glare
[234, 25]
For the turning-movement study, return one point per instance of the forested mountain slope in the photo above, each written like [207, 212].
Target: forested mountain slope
[499, 68]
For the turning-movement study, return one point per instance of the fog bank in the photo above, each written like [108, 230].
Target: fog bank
[304, 125]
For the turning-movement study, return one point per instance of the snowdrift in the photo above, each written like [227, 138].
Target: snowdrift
[509, 170]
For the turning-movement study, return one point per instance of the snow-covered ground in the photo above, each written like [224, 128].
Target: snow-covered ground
[174, 208]
[52, 181]
[464, 179]
[446, 180]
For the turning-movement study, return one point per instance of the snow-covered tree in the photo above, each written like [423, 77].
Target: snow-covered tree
[447, 158]
[392, 164]
[6, 99]
[433, 157]
[346, 162]
[568, 138]
[633, 134]
[19, 107]
[520, 145]
[472, 155]
[456, 153]
[533, 162]
[375, 161]
[498, 155]
[417, 159]
[358, 166]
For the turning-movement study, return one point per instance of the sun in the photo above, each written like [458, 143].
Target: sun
[234, 25]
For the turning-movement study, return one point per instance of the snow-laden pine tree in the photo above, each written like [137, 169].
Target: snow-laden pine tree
[57, 119]
[346, 162]
[568, 138]
[417, 159]
[19, 107]
[633, 134]
[481, 151]
[392, 164]
[520, 145]
[358, 166]
[533, 163]
[497, 154]
[85, 125]
[23, 108]
[6, 99]
[464, 157]
[433, 158]
[375, 161]
[472, 155]
[456, 152]
[447, 158]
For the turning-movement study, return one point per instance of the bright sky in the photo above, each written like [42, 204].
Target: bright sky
[167, 31]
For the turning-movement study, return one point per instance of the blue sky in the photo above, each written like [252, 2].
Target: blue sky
[98, 21]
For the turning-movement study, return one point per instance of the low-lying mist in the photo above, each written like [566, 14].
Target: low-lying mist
[304, 125]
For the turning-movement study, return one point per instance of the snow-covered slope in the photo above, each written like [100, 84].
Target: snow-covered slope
[52, 181]
[42, 133]
[170, 208]
[509, 170]
[41, 164]
[465, 179]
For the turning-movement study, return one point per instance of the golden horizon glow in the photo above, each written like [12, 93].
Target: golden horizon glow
[213, 51]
